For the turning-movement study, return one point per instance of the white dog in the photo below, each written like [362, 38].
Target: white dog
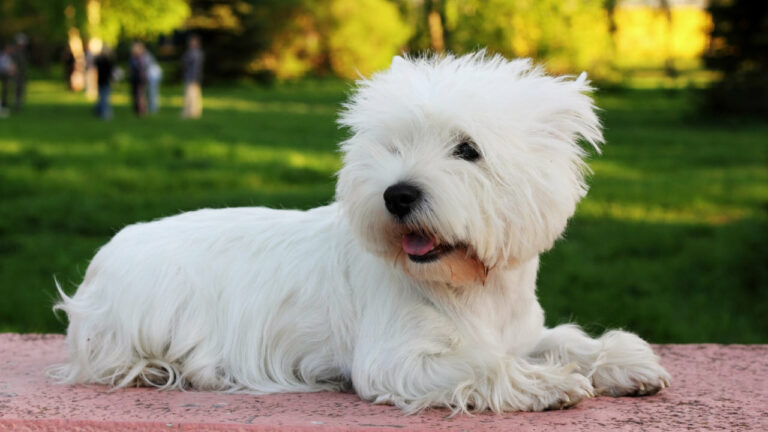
[415, 288]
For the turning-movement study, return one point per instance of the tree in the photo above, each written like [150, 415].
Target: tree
[45, 19]
[739, 52]
[347, 38]
[109, 20]
[42, 21]
[236, 32]
[52, 23]
[363, 36]
[569, 36]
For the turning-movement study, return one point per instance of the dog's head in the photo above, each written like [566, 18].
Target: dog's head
[459, 165]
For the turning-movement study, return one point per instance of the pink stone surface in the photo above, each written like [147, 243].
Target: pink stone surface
[714, 387]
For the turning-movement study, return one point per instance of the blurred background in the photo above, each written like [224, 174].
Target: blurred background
[671, 242]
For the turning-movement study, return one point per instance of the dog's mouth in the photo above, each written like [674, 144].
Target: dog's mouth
[422, 248]
[454, 262]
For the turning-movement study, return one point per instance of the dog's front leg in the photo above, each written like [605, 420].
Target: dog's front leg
[465, 380]
[618, 363]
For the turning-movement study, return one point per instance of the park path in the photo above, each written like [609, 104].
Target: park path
[715, 387]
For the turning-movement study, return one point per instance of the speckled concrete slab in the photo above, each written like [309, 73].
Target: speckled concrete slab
[714, 387]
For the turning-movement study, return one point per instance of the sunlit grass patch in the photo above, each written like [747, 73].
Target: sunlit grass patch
[701, 212]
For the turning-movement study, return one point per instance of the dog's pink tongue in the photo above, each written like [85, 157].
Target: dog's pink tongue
[414, 244]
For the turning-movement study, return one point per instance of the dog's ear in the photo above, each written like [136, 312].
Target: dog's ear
[573, 115]
[562, 118]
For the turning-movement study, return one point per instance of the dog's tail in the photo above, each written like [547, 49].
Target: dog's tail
[63, 373]
[95, 354]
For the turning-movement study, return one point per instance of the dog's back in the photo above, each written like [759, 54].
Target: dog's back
[150, 309]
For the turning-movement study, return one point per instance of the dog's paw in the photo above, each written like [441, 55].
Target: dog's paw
[628, 367]
[644, 381]
[573, 390]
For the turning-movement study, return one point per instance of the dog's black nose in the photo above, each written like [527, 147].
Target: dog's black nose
[401, 198]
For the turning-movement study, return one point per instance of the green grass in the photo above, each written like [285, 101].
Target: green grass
[672, 241]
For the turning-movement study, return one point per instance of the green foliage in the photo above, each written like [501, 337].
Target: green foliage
[44, 19]
[234, 33]
[347, 38]
[739, 51]
[378, 32]
[141, 19]
[671, 241]
[44, 22]
[568, 35]
[609, 40]
[291, 39]
[48, 22]
[654, 38]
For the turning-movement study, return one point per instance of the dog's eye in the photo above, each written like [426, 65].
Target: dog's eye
[466, 151]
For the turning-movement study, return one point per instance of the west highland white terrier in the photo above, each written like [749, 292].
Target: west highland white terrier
[417, 287]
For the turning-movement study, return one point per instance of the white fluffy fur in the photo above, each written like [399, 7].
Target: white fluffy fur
[261, 301]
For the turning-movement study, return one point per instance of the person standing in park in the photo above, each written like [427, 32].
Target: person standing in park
[7, 71]
[192, 65]
[105, 69]
[20, 61]
[154, 76]
[90, 76]
[137, 66]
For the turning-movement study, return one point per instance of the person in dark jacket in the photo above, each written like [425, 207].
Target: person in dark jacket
[137, 66]
[69, 67]
[105, 69]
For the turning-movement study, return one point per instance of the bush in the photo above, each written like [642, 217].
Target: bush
[345, 38]
[567, 36]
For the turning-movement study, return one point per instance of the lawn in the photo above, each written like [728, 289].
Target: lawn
[672, 241]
